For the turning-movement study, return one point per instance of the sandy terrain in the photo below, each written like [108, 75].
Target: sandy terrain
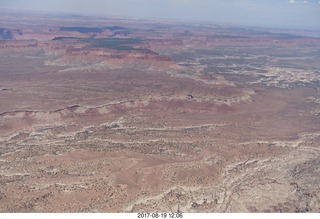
[163, 117]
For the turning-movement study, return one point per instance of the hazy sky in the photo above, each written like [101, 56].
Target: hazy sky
[290, 13]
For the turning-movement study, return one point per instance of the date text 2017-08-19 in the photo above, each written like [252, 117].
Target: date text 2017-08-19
[160, 215]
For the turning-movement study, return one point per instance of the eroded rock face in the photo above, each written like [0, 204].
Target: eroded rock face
[112, 54]
[157, 118]
[18, 43]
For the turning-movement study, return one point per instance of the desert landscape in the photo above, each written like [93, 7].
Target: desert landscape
[102, 114]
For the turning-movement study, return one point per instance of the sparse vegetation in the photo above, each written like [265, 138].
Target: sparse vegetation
[110, 43]
[218, 119]
[82, 29]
